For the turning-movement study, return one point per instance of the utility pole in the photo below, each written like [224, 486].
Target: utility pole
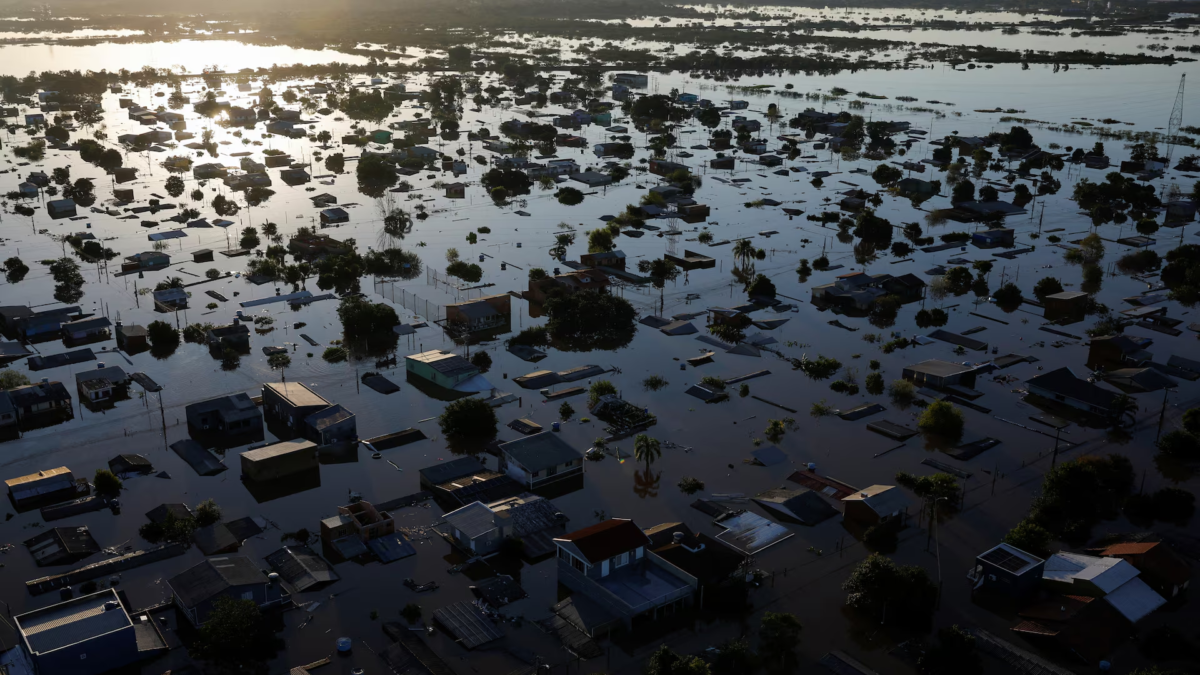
[1162, 414]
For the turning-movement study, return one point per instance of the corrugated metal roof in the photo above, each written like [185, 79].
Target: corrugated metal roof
[72, 622]
[1134, 600]
[473, 520]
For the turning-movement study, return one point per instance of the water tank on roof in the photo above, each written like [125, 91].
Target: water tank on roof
[343, 644]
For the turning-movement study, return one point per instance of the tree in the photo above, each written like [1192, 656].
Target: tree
[335, 163]
[174, 186]
[362, 318]
[886, 174]
[224, 206]
[761, 286]
[1008, 297]
[988, 193]
[207, 513]
[565, 411]
[163, 336]
[600, 241]
[646, 449]
[963, 192]
[600, 388]
[1030, 537]
[743, 251]
[468, 419]
[234, 635]
[660, 271]
[589, 319]
[943, 419]
[106, 482]
[1122, 406]
[1047, 286]
[11, 379]
[735, 657]
[897, 594]
[1077, 494]
[569, 196]
[666, 662]
[778, 636]
[249, 238]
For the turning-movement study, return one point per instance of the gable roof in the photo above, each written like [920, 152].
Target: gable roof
[604, 540]
[213, 577]
[1107, 574]
[882, 499]
[1064, 382]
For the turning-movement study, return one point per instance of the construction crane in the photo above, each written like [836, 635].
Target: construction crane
[1176, 121]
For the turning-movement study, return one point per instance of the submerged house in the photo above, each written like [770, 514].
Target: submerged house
[444, 369]
[485, 313]
[538, 460]
[609, 564]
[196, 590]
[482, 529]
[308, 413]
[87, 635]
[1063, 386]
[1007, 571]
[940, 374]
[874, 505]
[234, 415]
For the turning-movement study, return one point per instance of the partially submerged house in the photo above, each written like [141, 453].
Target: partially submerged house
[1118, 351]
[50, 485]
[444, 369]
[1113, 579]
[1007, 571]
[875, 505]
[62, 546]
[196, 590]
[59, 639]
[279, 460]
[1063, 386]
[570, 282]
[1161, 568]
[45, 398]
[489, 312]
[235, 336]
[482, 529]
[608, 563]
[539, 460]
[940, 374]
[308, 413]
[234, 415]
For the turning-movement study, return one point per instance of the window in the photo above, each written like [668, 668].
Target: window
[552, 471]
[577, 564]
[248, 595]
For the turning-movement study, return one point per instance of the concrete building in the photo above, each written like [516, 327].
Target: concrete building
[101, 384]
[279, 460]
[88, 635]
[614, 259]
[86, 329]
[538, 460]
[43, 398]
[60, 208]
[570, 282]
[308, 413]
[147, 260]
[196, 591]
[1008, 571]
[481, 529]
[234, 415]
[360, 520]
[1066, 307]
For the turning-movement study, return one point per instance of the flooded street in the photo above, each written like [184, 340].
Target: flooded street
[708, 441]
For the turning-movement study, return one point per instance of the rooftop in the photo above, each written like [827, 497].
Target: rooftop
[296, 394]
[605, 540]
[213, 576]
[74, 621]
[277, 449]
[446, 363]
[1010, 558]
[540, 451]
[1106, 574]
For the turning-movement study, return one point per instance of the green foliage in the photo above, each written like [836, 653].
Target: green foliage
[361, 317]
[761, 286]
[335, 354]
[234, 635]
[162, 336]
[276, 361]
[590, 319]
[469, 272]
[654, 383]
[778, 637]
[938, 487]
[906, 592]
[1139, 262]
[376, 169]
[874, 384]
[569, 196]
[600, 241]
[1047, 286]
[942, 419]
[1078, 493]
[1008, 296]
[411, 612]
[207, 513]
[599, 389]
[481, 360]
[646, 449]
[468, 419]
[666, 662]
[1030, 537]
[534, 336]
[883, 537]
[886, 174]
[820, 368]
[565, 411]
[689, 485]
[106, 482]
[735, 658]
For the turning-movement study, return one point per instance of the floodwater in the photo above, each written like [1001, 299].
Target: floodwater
[192, 56]
[713, 439]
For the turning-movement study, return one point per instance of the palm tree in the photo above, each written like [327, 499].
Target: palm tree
[743, 251]
[645, 484]
[1122, 406]
[646, 449]
[172, 282]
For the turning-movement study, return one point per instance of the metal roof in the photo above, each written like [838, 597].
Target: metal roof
[277, 449]
[328, 417]
[71, 622]
[213, 576]
[445, 363]
[296, 394]
[604, 540]
[301, 567]
[1107, 574]
[473, 520]
[1134, 600]
[882, 499]
[540, 451]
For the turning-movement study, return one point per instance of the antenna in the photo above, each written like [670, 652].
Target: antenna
[1176, 119]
